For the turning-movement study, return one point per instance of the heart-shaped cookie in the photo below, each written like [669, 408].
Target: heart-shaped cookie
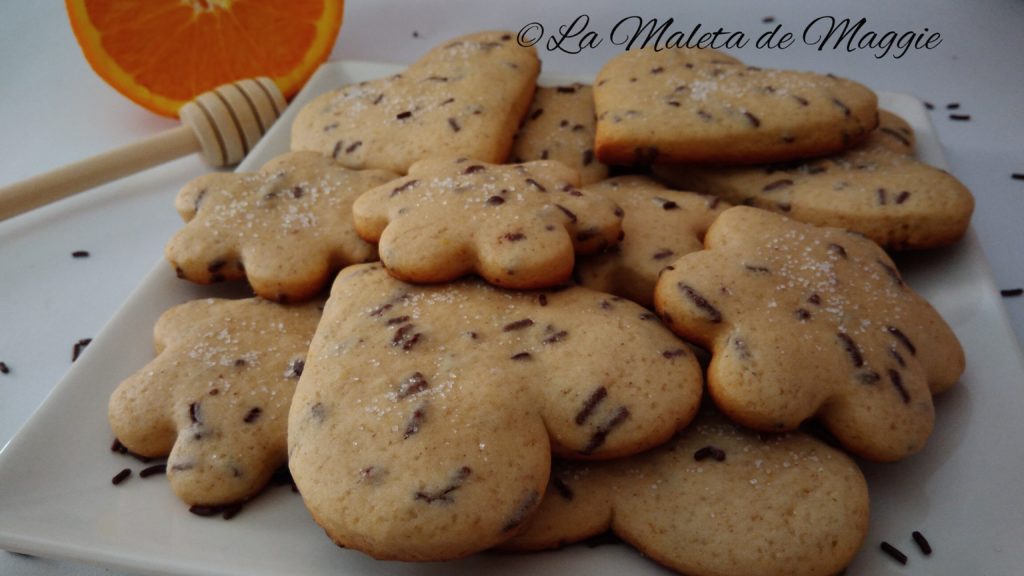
[684, 105]
[463, 98]
[426, 417]
[876, 188]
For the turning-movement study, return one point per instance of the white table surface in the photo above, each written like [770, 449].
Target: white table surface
[55, 110]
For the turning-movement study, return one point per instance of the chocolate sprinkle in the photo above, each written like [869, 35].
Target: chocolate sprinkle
[445, 494]
[153, 470]
[675, 353]
[567, 212]
[556, 337]
[194, 413]
[495, 200]
[922, 543]
[843, 107]
[522, 512]
[701, 303]
[79, 346]
[295, 368]
[897, 381]
[80, 254]
[894, 553]
[412, 385]
[776, 185]
[543, 299]
[1011, 292]
[709, 452]
[960, 117]
[892, 272]
[838, 249]
[852, 349]
[414, 423]
[536, 113]
[4, 368]
[404, 187]
[591, 403]
[902, 338]
[521, 356]
[253, 415]
[1017, 176]
[517, 325]
[536, 184]
[404, 338]
[953, 106]
[121, 476]
[454, 124]
[514, 236]
[754, 120]
[562, 488]
[599, 437]
[403, 115]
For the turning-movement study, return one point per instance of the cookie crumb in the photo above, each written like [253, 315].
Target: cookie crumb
[79, 346]
[922, 543]
[80, 254]
[1011, 292]
[893, 552]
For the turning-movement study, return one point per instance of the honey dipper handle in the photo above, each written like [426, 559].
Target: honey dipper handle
[63, 182]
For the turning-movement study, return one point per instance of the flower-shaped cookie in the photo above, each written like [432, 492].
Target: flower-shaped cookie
[876, 188]
[518, 226]
[286, 228]
[809, 322]
[717, 499]
[660, 226]
[425, 420]
[463, 98]
[702, 106]
[216, 396]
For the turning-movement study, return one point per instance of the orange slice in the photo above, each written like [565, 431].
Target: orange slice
[164, 53]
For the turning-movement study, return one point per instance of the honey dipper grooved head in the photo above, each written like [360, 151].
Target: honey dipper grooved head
[229, 120]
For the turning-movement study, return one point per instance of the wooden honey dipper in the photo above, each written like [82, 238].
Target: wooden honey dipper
[223, 124]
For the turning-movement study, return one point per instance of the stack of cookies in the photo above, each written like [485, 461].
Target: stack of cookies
[520, 352]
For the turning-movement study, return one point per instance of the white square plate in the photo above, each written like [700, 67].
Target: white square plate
[965, 491]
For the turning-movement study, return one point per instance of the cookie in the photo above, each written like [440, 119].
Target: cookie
[660, 225]
[424, 422]
[876, 188]
[216, 397]
[518, 226]
[286, 229]
[688, 106]
[463, 98]
[560, 126]
[809, 322]
[715, 500]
